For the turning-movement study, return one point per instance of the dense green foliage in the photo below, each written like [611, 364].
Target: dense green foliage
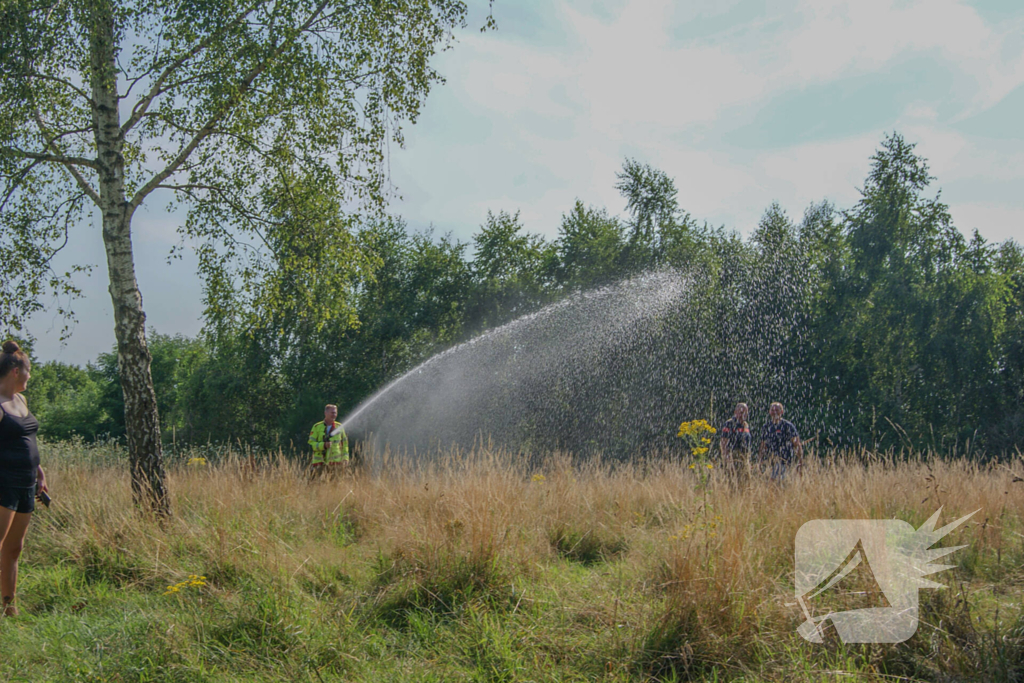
[880, 324]
[234, 109]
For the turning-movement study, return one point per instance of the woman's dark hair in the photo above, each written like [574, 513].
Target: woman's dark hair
[13, 357]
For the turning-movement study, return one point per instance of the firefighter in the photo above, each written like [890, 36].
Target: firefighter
[734, 438]
[328, 440]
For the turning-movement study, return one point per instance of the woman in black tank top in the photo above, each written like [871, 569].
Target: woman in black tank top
[21, 477]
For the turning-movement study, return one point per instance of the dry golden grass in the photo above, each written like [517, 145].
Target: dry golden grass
[635, 570]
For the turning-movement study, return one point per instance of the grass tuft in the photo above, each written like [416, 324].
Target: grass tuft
[588, 546]
[441, 581]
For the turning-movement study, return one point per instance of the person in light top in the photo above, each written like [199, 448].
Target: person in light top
[328, 440]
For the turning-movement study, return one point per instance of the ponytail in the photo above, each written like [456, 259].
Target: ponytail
[13, 357]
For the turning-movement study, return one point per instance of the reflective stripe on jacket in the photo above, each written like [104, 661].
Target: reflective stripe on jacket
[333, 444]
[736, 435]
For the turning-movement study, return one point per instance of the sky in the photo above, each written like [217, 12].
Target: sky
[744, 103]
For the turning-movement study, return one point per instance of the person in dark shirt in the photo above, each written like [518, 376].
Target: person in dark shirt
[21, 477]
[734, 438]
[780, 442]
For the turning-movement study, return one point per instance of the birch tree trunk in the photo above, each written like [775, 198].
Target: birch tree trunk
[142, 423]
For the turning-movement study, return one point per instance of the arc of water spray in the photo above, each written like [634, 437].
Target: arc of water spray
[674, 282]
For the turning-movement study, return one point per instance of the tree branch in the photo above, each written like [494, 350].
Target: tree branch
[16, 179]
[142, 105]
[84, 184]
[208, 127]
[68, 84]
[67, 220]
[190, 188]
[75, 173]
[51, 141]
[55, 158]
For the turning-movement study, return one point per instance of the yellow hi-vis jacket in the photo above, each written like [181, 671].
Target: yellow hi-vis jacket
[333, 444]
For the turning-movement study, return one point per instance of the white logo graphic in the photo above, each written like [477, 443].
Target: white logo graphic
[888, 560]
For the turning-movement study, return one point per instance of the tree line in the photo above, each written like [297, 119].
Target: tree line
[881, 324]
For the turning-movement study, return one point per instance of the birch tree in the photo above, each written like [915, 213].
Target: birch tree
[109, 104]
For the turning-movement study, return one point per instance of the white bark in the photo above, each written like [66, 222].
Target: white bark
[142, 423]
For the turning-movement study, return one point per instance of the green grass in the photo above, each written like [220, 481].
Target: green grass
[587, 546]
[478, 573]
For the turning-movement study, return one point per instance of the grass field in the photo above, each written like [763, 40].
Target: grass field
[480, 569]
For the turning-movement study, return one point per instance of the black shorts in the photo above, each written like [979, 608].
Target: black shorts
[18, 498]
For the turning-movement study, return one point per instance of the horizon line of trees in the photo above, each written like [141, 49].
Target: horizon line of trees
[899, 330]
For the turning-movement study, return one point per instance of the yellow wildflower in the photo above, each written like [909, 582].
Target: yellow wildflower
[194, 581]
[696, 430]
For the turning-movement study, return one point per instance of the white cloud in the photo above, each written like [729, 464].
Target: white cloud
[919, 111]
[996, 223]
[954, 157]
[836, 38]
[632, 76]
[630, 80]
[567, 115]
[810, 172]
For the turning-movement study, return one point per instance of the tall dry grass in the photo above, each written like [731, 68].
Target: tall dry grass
[673, 572]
